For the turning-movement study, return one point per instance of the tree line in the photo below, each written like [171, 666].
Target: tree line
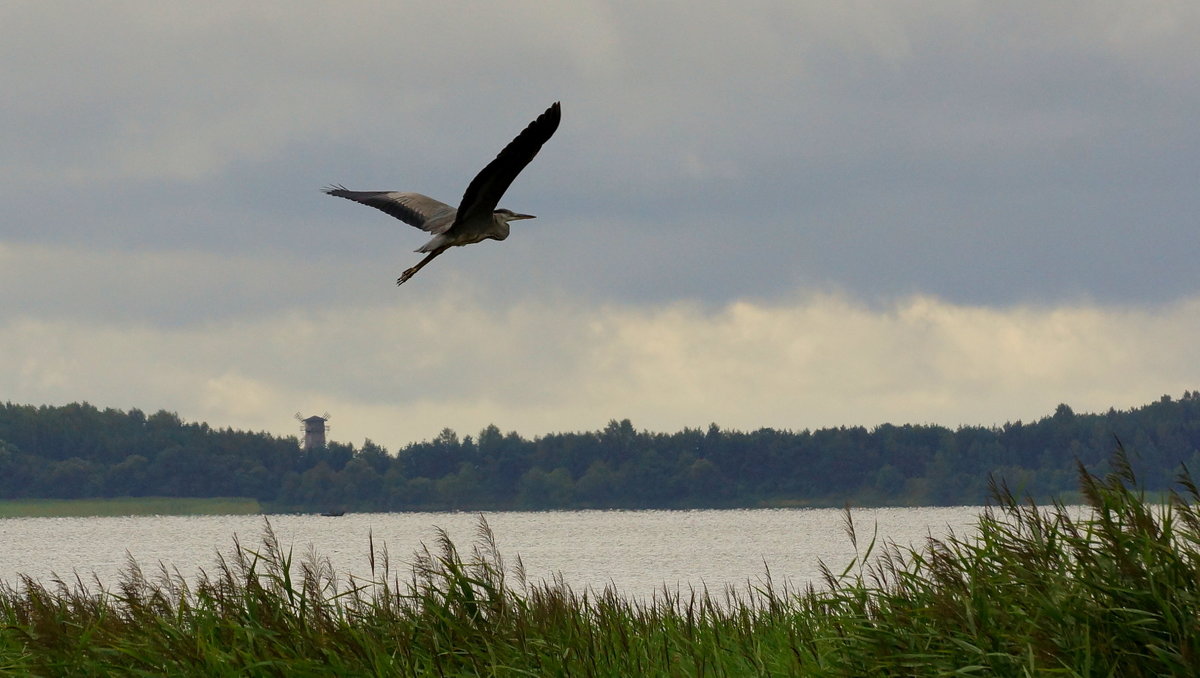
[78, 451]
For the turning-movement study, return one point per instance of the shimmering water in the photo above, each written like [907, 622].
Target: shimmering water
[637, 551]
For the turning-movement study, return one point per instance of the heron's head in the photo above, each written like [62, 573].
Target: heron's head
[509, 215]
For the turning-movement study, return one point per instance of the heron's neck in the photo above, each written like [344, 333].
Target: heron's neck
[500, 227]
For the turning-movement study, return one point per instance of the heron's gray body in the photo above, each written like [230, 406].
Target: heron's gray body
[477, 217]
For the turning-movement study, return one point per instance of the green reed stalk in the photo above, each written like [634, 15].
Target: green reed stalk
[1114, 590]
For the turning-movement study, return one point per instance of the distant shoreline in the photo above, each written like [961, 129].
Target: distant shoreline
[128, 506]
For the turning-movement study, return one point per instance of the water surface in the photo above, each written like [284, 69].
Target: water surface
[639, 552]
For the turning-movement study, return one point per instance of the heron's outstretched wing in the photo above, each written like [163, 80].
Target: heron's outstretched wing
[414, 209]
[486, 189]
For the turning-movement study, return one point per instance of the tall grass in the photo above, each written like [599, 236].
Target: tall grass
[1038, 591]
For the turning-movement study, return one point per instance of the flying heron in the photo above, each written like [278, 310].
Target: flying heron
[477, 217]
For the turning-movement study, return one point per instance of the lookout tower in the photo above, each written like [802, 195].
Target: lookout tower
[314, 430]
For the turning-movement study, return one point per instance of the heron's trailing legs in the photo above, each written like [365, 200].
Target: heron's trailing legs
[421, 264]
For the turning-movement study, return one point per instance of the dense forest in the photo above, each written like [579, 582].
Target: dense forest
[78, 450]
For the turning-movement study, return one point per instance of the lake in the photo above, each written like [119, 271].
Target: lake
[636, 551]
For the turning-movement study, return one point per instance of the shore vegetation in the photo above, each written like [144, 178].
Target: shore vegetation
[1036, 590]
[128, 506]
[78, 451]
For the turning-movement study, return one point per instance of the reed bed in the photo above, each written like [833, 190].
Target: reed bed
[1036, 591]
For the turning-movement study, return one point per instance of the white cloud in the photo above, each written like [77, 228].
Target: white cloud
[402, 370]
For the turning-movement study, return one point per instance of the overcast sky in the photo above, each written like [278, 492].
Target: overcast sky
[784, 214]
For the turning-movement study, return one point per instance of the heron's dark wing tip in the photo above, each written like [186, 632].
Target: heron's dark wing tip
[552, 117]
[486, 189]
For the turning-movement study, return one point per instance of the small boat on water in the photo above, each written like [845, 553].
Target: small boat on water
[333, 514]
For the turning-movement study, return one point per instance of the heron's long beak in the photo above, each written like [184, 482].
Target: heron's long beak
[517, 217]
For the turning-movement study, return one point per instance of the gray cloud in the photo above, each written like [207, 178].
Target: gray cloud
[163, 165]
